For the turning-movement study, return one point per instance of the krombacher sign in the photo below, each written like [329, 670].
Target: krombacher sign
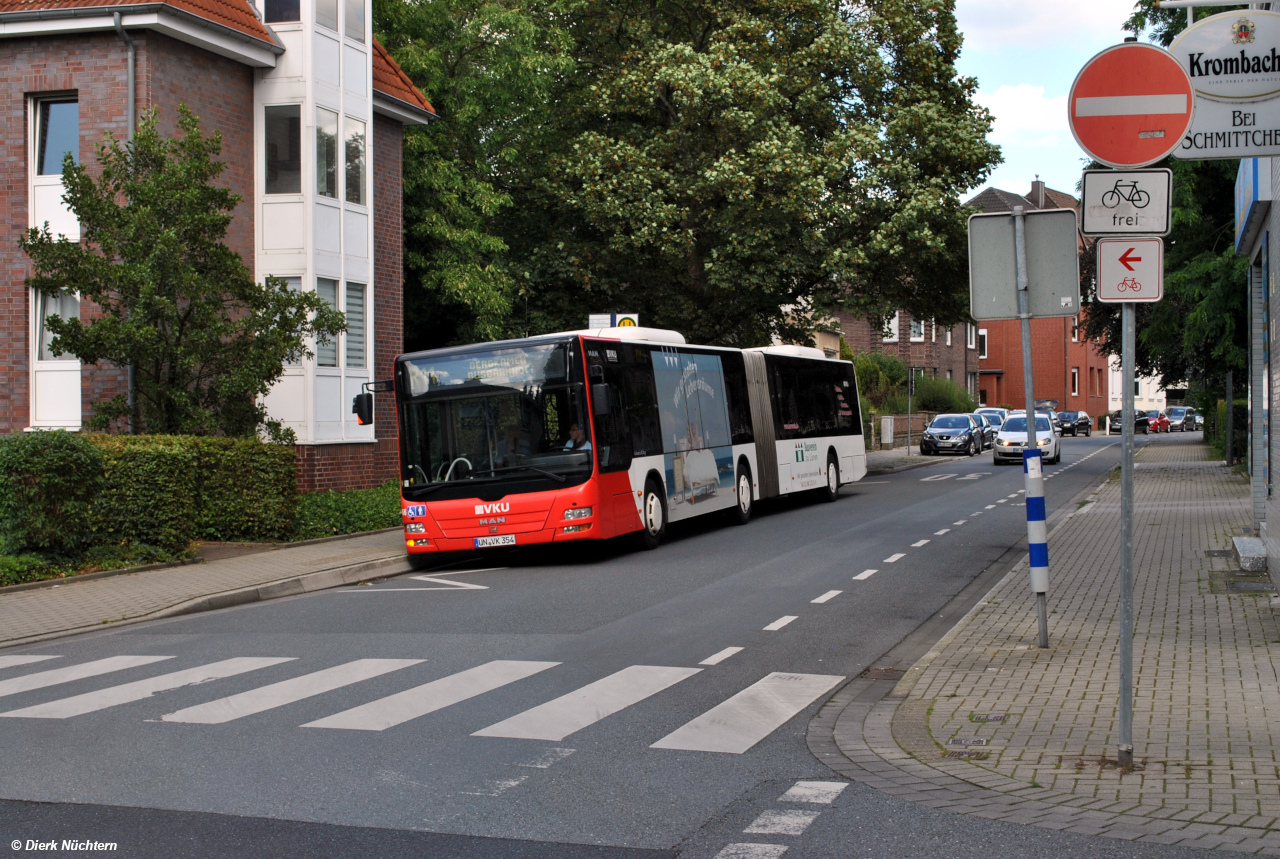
[1233, 60]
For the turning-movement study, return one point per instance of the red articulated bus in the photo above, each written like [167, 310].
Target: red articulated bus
[591, 435]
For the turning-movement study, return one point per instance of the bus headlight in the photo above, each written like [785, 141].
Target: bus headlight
[415, 528]
[577, 513]
[573, 529]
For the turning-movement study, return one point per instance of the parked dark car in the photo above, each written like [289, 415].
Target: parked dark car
[986, 429]
[952, 434]
[1075, 423]
[1159, 420]
[1182, 419]
[1141, 423]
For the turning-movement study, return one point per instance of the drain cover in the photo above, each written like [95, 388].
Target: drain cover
[988, 717]
[968, 756]
[1218, 553]
[883, 674]
[966, 741]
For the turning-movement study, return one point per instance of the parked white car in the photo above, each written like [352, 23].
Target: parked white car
[1013, 437]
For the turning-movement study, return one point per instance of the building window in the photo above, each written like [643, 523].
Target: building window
[948, 336]
[1075, 329]
[327, 353]
[326, 153]
[355, 20]
[355, 325]
[327, 14]
[917, 330]
[355, 161]
[971, 336]
[948, 375]
[284, 149]
[1137, 387]
[933, 330]
[889, 334]
[1075, 381]
[59, 125]
[65, 305]
[982, 342]
[982, 397]
[280, 11]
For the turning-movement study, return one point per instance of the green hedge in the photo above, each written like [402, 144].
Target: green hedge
[48, 482]
[326, 514]
[150, 494]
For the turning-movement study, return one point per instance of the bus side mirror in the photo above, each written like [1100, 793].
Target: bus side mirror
[362, 408]
[600, 399]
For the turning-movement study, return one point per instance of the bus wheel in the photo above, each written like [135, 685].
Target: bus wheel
[831, 491]
[741, 511]
[653, 516]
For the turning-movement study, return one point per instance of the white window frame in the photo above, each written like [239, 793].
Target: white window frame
[971, 336]
[948, 336]
[1075, 329]
[1075, 381]
[933, 330]
[911, 330]
[892, 328]
[982, 343]
[62, 373]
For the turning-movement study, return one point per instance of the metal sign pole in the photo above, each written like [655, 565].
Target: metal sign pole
[1124, 749]
[1037, 534]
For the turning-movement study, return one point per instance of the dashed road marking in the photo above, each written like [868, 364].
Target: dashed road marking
[918, 543]
[823, 792]
[894, 558]
[790, 822]
[865, 574]
[943, 531]
[717, 658]
[829, 595]
[752, 851]
[780, 622]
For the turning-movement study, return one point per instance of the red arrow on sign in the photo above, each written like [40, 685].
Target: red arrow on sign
[1125, 259]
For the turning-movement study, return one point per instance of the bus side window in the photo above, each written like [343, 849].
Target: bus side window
[642, 409]
[735, 384]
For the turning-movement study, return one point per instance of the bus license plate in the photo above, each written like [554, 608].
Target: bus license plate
[501, 540]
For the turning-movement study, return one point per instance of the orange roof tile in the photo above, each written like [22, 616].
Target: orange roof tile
[233, 14]
[390, 80]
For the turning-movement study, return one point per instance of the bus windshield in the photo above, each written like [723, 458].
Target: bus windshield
[495, 416]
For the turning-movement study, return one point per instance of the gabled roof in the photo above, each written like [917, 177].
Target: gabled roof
[233, 14]
[391, 81]
[995, 200]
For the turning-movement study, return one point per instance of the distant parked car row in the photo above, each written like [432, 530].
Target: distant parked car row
[1180, 418]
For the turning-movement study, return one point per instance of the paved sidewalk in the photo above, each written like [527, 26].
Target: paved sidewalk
[77, 606]
[989, 724]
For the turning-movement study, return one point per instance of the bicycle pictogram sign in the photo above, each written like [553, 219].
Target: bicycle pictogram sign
[1127, 191]
[1129, 283]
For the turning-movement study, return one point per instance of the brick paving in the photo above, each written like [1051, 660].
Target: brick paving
[1206, 677]
[73, 606]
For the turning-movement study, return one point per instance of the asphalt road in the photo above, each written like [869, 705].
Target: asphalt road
[529, 704]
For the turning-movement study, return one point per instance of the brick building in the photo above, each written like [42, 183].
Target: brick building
[1065, 366]
[311, 111]
[950, 353]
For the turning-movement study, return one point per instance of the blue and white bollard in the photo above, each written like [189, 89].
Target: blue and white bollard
[1037, 534]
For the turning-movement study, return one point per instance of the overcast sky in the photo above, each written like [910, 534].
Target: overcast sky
[1025, 54]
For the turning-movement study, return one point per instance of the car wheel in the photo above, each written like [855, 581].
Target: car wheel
[831, 491]
[653, 515]
[741, 512]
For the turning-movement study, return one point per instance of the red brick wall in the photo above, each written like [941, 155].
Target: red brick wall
[936, 357]
[360, 466]
[1053, 355]
[94, 67]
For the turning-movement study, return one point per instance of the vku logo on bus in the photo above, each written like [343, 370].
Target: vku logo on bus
[805, 447]
[500, 507]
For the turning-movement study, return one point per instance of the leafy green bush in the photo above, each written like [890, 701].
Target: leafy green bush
[48, 481]
[247, 489]
[18, 569]
[936, 394]
[880, 377]
[151, 492]
[325, 514]
[1216, 429]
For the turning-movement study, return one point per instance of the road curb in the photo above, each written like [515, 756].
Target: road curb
[334, 577]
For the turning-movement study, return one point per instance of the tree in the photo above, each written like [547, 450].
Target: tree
[1199, 329]
[205, 340]
[488, 67]
[721, 164]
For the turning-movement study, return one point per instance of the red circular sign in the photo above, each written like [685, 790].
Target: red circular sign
[1130, 105]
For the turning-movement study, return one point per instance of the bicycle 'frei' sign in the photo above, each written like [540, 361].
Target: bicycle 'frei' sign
[1130, 269]
[1130, 105]
[1126, 202]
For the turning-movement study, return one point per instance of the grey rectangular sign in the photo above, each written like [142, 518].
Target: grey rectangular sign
[1053, 264]
[1126, 202]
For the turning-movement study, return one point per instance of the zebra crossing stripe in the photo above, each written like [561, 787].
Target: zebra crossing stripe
[287, 691]
[569, 713]
[748, 717]
[54, 676]
[419, 701]
[823, 792]
[13, 661]
[90, 702]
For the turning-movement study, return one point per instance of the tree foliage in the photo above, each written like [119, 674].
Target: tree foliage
[206, 341]
[1199, 329]
[719, 166]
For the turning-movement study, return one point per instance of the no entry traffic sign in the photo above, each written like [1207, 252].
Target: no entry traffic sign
[1130, 269]
[1130, 105]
